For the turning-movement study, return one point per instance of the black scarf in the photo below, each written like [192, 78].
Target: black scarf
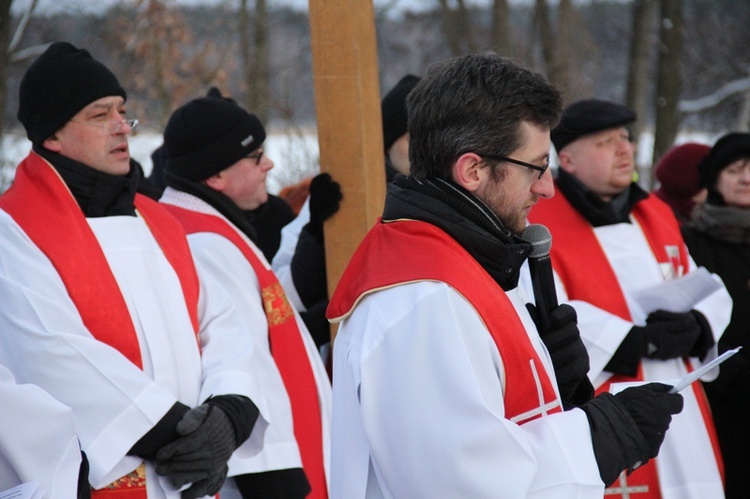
[222, 203]
[465, 218]
[729, 224]
[598, 212]
[98, 194]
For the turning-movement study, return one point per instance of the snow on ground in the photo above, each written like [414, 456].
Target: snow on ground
[295, 155]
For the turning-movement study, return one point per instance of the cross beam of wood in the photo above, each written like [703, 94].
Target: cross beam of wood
[347, 102]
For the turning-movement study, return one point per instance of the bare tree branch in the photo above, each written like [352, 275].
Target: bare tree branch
[22, 27]
[712, 100]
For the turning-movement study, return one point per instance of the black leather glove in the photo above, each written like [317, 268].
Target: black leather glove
[201, 455]
[628, 429]
[670, 335]
[325, 197]
[567, 351]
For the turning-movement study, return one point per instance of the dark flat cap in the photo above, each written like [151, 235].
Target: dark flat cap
[589, 116]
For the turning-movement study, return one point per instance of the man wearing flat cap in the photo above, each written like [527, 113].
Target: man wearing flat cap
[610, 240]
[103, 307]
[216, 171]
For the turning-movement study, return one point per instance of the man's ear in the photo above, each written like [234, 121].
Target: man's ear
[566, 161]
[216, 182]
[52, 143]
[469, 171]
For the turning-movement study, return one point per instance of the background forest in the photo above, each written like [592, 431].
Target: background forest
[683, 65]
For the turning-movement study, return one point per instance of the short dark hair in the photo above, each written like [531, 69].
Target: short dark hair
[474, 103]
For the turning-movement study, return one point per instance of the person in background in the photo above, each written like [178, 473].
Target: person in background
[442, 386]
[38, 443]
[718, 237]
[395, 130]
[679, 182]
[611, 239]
[102, 305]
[215, 173]
[300, 261]
[266, 220]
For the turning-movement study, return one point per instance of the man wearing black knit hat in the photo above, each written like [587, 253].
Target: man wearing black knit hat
[215, 171]
[103, 306]
[610, 240]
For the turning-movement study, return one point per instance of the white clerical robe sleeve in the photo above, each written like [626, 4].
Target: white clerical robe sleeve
[227, 265]
[37, 440]
[282, 260]
[45, 342]
[228, 357]
[419, 410]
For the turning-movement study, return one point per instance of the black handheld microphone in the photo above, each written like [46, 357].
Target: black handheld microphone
[542, 279]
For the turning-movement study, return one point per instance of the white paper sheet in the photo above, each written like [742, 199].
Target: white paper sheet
[677, 295]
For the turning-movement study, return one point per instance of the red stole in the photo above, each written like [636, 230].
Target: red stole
[577, 255]
[287, 348]
[43, 207]
[406, 251]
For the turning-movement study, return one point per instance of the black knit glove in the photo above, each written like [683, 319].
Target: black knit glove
[669, 335]
[706, 338]
[628, 429]
[325, 197]
[568, 353]
[201, 455]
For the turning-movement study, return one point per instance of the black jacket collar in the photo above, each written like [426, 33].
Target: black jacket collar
[591, 206]
[98, 194]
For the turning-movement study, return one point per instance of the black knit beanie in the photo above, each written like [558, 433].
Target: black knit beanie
[61, 82]
[725, 151]
[589, 116]
[393, 108]
[208, 135]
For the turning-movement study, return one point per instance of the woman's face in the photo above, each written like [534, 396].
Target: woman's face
[734, 183]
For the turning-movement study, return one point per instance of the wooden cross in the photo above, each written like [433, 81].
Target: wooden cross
[347, 103]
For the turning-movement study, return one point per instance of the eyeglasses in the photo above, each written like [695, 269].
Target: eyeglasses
[257, 157]
[113, 127]
[540, 169]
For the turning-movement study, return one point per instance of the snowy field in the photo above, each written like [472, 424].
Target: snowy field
[295, 155]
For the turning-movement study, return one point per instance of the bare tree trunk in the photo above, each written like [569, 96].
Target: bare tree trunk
[261, 106]
[546, 38]
[246, 55]
[500, 28]
[457, 27]
[255, 64]
[562, 65]
[669, 78]
[644, 16]
[743, 118]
